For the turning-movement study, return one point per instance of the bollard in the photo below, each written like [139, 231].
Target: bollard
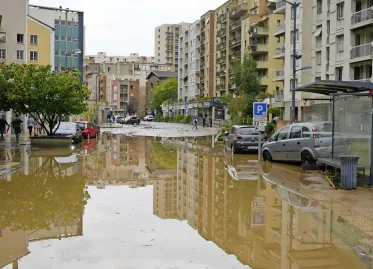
[349, 171]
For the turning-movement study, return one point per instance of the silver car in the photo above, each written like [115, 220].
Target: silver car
[242, 138]
[305, 142]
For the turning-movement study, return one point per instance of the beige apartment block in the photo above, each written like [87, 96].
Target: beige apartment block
[13, 31]
[166, 44]
[207, 76]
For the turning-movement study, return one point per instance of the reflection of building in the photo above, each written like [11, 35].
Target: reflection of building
[13, 246]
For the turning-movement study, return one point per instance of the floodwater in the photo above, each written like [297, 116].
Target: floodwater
[135, 202]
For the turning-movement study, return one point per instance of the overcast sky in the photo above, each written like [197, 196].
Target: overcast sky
[120, 27]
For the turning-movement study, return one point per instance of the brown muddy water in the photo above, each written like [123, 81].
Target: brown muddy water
[143, 203]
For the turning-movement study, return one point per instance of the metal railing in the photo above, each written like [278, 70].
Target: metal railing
[280, 4]
[362, 50]
[280, 50]
[361, 16]
[279, 73]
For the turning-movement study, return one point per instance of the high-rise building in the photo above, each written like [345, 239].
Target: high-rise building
[207, 54]
[13, 31]
[166, 44]
[189, 62]
[69, 35]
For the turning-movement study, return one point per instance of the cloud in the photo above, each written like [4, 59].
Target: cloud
[121, 27]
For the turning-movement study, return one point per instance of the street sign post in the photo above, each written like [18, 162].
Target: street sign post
[259, 121]
[258, 211]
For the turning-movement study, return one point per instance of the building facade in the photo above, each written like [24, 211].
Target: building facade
[69, 35]
[189, 62]
[13, 31]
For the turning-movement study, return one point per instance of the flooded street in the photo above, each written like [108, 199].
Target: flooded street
[140, 202]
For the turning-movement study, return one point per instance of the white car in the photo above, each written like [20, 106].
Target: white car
[148, 118]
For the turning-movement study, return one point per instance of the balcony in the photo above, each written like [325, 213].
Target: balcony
[222, 18]
[280, 29]
[361, 51]
[235, 26]
[280, 52]
[221, 59]
[235, 42]
[221, 32]
[222, 45]
[239, 11]
[279, 75]
[259, 49]
[262, 64]
[280, 7]
[362, 18]
[220, 73]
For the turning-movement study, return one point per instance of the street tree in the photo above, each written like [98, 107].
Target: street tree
[39, 92]
[166, 90]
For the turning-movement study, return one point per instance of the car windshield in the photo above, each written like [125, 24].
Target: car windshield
[81, 125]
[66, 126]
[247, 131]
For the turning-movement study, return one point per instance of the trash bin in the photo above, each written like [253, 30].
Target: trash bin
[349, 171]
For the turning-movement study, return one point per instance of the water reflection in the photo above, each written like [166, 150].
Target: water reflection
[269, 216]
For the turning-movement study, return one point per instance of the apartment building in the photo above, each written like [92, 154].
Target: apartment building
[207, 59]
[40, 49]
[189, 62]
[102, 57]
[69, 43]
[166, 45]
[13, 31]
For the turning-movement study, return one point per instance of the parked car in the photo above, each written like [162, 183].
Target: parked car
[132, 120]
[305, 142]
[149, 118]
[69, 129]
[119, 119]
[242, 138]
[88, 129]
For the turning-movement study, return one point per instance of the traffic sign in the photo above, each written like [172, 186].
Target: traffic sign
[258, 218]
[259, 109]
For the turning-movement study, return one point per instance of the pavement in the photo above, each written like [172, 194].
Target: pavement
[159, 129]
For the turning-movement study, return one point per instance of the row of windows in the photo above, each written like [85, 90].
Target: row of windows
[20, 55]
[21, 39]
[64, 38]
[63, 23]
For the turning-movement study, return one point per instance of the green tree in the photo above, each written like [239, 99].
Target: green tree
[166, 90]
[44, 95]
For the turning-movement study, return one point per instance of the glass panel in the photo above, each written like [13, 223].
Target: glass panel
[283, 134]
[294, 198]
[352, 128]
[296, 132]
[306, 132]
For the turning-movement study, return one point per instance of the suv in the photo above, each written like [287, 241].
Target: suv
[242, 138]
[305, 142]
[132, 120]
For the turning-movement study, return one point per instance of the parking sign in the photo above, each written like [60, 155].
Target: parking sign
[259, 109]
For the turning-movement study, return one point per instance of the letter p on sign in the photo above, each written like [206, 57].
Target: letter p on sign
[260, 109]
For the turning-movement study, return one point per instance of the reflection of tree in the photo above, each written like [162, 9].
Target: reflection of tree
[31, 202]
[164, 155]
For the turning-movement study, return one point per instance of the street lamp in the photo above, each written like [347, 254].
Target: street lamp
[294, 5]
[96, 108]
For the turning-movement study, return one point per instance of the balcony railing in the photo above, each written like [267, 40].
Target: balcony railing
[279, 73]
[361, 51]
[280, 27]
[239, 10]
[221, 32]
[222, 45]
[234, 41]
[222, 17]
[235, 25]
[361, 16]
[280, 51]
[279, 6]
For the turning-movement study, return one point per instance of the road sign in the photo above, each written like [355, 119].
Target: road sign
[259, 109]
[258, 204]
[258, 218]
[260, 121]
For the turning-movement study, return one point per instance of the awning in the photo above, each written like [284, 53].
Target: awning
[318, 31]
[329, 87]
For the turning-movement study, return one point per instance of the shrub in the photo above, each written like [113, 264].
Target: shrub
[187, 119]
[159, 117]
[179, 118]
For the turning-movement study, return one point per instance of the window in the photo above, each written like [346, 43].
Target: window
[109, 69]
[56, 22]
[159, 48]
[131, 87]
[340, 11]
[69, 38]
[159, 36]
[278, 40]
[339, 73]
[56, 68]
[20, 38]
[159, 42]
[318, 57]
[319, 6]
[358, 72]
[159, 54]
[33, 39]
[69, 23]
[317, 78]
[20, 55]
[159, 30]
[296, 132]
[33, 56]
[340, 43]
[3, 54]
[283, 133]
[296, 36]
[306, 132]
[96, 69]
[2, 37]
[63, 23]
[328, 54]
[56, 37]
[292, 12]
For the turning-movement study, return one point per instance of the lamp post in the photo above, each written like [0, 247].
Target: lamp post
[96, 107]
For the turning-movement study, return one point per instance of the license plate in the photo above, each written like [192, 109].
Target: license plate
[252, 147]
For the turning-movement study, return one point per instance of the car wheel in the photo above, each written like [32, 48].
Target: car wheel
[307, 158]
[267, 157]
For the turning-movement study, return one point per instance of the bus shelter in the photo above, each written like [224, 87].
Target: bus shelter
[352, 116]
